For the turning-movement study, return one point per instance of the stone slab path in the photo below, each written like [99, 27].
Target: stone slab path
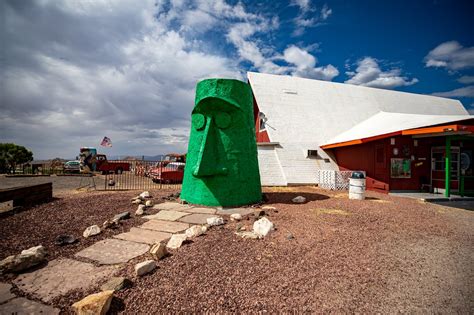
[171, 206]
[242, 211]
[197, 218]
[22, 306]
[167, 215]
[61, 276]
[113, 251]
[200, 210]
[5, 293]
[165, 226]
[144, 236]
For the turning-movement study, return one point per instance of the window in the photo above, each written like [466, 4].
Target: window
[438, 161]
[263, 120]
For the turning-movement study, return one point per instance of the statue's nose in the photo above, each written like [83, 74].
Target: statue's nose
[208, 158]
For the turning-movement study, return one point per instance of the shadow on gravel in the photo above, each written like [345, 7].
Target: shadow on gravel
[286, 197]
[116, 306]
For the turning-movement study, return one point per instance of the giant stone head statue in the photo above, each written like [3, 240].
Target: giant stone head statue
[221, 164]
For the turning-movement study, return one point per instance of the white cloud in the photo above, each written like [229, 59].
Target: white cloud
[75, 71]
[450, 55]
[466, 79]
[304, 65]
[309, 16]
[467, 91]
[369, 73]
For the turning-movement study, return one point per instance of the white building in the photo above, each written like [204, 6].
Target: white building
[298, 115]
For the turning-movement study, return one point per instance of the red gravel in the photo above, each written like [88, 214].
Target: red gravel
[385, 255]
[70, 214]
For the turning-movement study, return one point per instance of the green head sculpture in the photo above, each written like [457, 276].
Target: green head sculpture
[221, 164]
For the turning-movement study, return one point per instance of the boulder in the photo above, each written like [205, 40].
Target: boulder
[136, 201]
[195, 230]
[215, 221]
[149, 203]
[145, 267]
[299, 199]
[91, 231]
[236, 217]
[97, 304]
[145, 195]
[62, 240]
[262, 227]
[26, 259]
[176, 241]
[116, 284]
[121, 216]
[158, 251]
[140, 210]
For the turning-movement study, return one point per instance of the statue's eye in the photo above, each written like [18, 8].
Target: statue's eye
[223, 120]
[199, 121]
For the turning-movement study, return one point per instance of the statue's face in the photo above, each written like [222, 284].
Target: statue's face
[221, 164]
[218, 132]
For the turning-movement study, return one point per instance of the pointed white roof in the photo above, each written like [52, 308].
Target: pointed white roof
[301, 110]
[384, 123]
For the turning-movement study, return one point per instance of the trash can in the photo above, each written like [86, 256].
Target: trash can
[357, 186]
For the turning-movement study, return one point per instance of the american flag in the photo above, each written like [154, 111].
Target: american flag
[106, 142]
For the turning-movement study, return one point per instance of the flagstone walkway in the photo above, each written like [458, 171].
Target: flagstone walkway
[61, 275]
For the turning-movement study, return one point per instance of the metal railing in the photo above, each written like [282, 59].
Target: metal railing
[142, 175]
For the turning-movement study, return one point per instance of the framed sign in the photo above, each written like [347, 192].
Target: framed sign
[400, 168]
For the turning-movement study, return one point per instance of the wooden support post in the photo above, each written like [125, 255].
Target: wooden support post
[447, 184]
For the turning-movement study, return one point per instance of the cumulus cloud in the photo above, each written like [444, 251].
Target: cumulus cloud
[467, 91]
[75, 71]
[369, 73]
[304, 65]
[450, 55]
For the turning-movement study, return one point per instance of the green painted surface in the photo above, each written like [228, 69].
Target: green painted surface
[221, 164]
[447, 179]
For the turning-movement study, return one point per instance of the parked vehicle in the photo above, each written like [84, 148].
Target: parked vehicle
[72, 167]
[105, 167]
[174, 157]
[172, 172]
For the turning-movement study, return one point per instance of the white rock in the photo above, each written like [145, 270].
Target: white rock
[176, 241]
[91, 231]
[262, 227]
[236, 217]
[149, 203]
[26, 259]
[158, 251]
[250, 235]
[136, 201]
[140, 210]
[215, 221]
[195, 231]
[268, 208]
[145, 194]
[203, 229]
[144, 267]
[299, 199]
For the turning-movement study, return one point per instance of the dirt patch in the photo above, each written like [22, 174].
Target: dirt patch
[330, 211]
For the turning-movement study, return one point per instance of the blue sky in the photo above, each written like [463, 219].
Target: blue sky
[75, 71]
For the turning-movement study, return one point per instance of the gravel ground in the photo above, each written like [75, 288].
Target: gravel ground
[71, 214]
[385, 254]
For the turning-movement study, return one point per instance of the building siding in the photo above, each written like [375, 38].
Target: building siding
[271, 173]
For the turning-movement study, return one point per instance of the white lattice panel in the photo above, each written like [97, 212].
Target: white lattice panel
[334, 180]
